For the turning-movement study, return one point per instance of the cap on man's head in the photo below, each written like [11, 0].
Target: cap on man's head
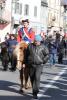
[26, 20]
[38, 37]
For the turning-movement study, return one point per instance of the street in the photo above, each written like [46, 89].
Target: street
[53, 84]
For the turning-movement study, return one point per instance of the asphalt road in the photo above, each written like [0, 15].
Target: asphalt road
[53, 84]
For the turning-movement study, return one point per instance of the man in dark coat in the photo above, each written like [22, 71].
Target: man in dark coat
[60, 49]
[11, 44]
[52, 46]
[37, 55]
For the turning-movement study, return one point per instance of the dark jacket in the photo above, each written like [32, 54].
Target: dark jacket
[52, 46]
[11, 43]
[37, 54]
[61, 47]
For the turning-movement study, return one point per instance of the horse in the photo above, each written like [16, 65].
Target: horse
[4, 56]
[19, 54]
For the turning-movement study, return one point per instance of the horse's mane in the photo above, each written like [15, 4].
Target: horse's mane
[19, 53]
[22, 45]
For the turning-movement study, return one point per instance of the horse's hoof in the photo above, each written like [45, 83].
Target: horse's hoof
[12, 69]
[21, 91]
[26, 87]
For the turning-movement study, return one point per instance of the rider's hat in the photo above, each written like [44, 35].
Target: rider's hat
[25, 20]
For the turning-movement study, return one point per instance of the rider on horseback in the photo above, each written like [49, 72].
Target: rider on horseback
[25, 33]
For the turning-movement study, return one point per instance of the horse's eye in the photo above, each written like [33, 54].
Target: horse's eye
[21, 47]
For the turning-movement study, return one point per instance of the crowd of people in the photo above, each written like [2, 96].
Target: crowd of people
[41, 49]
[57, 47]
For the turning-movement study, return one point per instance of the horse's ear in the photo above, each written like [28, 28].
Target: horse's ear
[21, 48]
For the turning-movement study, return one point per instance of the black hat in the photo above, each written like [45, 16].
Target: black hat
[12, 35]
[26, 20]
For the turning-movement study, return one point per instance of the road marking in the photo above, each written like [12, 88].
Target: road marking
[46, 87]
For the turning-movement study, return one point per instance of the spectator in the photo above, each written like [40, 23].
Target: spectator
[61, 49]
[11, 43]
[7, 36]
[52, 46]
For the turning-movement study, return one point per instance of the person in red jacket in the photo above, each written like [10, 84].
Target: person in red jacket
[25, 33]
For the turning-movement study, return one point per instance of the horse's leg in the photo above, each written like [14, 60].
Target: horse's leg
[13, 62]
[26, 75]
[21, 79]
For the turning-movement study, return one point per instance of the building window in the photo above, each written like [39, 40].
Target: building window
[35, 11]
[44, 3]
[26, 10]
[18, 8]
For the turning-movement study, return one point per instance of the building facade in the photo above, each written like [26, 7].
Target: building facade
[55, 14]
[5, 18]
[41, 13]
[26, 9]
[44, 15]
[34, 10]
[64, 4]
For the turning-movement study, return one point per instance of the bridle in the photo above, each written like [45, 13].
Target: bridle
[20, 60]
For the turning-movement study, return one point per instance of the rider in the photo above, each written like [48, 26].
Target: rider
[25, 33]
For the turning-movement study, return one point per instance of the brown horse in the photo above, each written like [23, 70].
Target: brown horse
[19, 53]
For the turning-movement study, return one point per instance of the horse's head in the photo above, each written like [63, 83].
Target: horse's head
[19, 53]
